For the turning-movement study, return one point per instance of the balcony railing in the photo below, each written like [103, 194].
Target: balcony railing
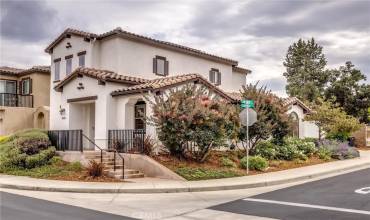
[16, 100]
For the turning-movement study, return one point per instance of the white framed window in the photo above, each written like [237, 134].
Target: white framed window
[215, 76]
[160, 66]
[68, 64]
[57, 69]
[81, 58]
[26, 86]
[8, 86]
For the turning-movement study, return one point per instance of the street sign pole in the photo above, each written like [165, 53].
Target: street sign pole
[247, 143]
[247, 118]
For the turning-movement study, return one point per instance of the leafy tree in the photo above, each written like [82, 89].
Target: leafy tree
[305, 72]
[192, 115]
[346, 91]
[333, 121]
[272, 118]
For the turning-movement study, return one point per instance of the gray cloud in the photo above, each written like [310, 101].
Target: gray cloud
[279, 18]
[27, 20]
[256, 33]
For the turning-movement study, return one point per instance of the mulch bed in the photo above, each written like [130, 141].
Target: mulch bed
[213, 162]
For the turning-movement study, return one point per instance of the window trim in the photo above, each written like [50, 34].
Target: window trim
[57, 61]
[11, 80]
[29, 86]
[212, 75]
[81, 54]
[67, 58]
[155, 65]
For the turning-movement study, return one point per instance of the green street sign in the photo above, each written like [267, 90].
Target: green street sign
[247, 103]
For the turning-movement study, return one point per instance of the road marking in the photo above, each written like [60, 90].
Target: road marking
[365, 190]
[309, 206]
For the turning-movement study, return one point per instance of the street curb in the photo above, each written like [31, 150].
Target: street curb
[185, 188]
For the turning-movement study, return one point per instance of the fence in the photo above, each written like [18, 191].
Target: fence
[126, 140]
[66, 140]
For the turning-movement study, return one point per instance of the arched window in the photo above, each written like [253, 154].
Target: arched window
[295, 124]
[140, 112]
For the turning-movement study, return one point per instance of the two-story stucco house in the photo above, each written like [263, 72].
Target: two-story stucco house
[98, 80]
[24, 98]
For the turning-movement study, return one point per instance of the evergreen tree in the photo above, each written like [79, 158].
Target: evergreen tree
[305, 72]
[346, 91]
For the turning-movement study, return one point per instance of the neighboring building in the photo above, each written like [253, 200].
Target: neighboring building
[24, 98]
[297, 111]
[99, 79]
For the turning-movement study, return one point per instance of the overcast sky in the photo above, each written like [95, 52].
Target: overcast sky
[256, 33]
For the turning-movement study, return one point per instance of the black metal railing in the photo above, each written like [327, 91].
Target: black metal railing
[126, 140]
[66, 140]
[16, 100]
[111, 150]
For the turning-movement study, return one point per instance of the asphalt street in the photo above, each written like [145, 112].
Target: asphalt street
[16, 207]
[332, 198]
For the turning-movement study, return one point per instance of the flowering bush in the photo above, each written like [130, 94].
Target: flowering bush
[339, 150]
[192, 116]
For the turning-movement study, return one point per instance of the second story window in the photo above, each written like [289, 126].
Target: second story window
[25, 86]
[57, 69]
[215, 76]
[69, 64]
[160, 66]
[81, 58]
[8, 86]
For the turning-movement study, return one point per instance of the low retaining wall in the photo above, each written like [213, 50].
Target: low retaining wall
[143, 163]
[149, 167]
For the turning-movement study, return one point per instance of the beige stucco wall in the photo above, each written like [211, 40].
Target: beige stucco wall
[8, 77]
[15, 118]
[40, 88]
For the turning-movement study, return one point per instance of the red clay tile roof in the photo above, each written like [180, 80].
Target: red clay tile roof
[295, 100]
[9, 70]
[103, 75]
[167, 82]
[241, 70]
[21, 72]
[128, 35]
[235, 95]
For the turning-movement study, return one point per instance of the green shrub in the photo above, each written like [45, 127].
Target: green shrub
[226, 162]
[288, 152]
[307, 147]
[39, 159]
[74, 166]
[191, 173]
[266, 149]
[324, 154]
[254, 163]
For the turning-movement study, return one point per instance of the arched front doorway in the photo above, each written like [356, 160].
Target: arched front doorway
[140, 113]
[295, 124]
[41, 120]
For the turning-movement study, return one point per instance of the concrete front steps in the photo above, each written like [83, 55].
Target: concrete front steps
[108, 162]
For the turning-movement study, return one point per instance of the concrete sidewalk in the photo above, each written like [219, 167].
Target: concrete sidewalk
[153, 185]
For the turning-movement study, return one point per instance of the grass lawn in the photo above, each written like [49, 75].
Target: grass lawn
[28, 153]
[59, 170]
[214, 169]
